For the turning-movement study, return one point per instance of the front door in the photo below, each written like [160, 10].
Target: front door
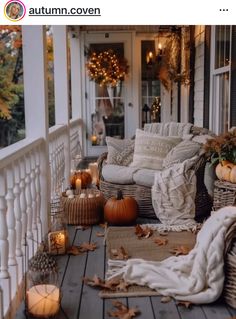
[107, 107]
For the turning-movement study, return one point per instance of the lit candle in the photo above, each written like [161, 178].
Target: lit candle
[43, 301]
[78, 183]
[94, 139]
[57, 242]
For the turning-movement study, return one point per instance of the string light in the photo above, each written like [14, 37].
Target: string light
[106, 69]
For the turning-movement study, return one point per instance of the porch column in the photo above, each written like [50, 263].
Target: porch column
[36, 105]
[61, 83]
[76, 84]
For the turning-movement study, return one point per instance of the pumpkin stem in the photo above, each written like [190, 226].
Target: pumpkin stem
[119, 195]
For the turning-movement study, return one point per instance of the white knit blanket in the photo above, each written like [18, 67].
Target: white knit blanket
[173, 194]
[197, 277]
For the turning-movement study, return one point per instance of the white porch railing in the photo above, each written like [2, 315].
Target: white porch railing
[22, 218]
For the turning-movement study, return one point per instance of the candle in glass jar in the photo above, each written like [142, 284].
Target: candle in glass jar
[43, 301]
[78, 183]
[94, 139]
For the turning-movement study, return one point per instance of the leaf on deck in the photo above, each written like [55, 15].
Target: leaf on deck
[186, 304]
[103, 225]
[87, 247]
[143, 232]
[120, 253]
[73, 250]
[180, 250]
[160, 241]
[123, 312]
[112, 284]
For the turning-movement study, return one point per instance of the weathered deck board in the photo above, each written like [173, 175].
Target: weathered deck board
[108, 306]
[216, 310]
[194, 312]
[91, 304]
[164, 310]
[80, 301]
[72, 284]
[144, 305]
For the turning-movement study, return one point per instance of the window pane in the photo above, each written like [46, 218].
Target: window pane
[224, 101]
[107, 107]
[12, 114]
[222, 44]
[150, 84]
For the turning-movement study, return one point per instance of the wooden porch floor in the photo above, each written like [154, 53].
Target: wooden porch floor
[80, 301]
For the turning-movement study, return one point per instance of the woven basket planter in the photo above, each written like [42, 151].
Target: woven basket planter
[224, 194]
[84, 211]
[141, 194]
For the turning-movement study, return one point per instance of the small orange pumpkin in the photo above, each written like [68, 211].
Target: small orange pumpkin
[85, 177]
[121, 210]
[225, 171]
[233, 175]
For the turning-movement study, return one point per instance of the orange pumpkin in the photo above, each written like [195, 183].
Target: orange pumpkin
[85, 177]
[121, 210]
[226, 171]
[233, 175]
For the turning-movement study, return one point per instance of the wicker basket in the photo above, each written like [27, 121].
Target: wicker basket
[84, 211]
[229, 292]
[224, 194]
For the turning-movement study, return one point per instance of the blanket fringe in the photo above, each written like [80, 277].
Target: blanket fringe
[115, 268]
[190, 226]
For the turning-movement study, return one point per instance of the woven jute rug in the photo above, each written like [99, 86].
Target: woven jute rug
[144, 248]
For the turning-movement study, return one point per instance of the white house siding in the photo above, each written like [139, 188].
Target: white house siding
[199, 75]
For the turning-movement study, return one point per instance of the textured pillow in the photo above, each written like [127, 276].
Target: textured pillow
[184, 150]
[120, 152]
[150, 149]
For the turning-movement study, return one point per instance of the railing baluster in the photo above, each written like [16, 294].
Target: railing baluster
[34, 200]
[29, 204]
[23, 206]
[4, 245]
[11, 217]
[17, 209]
[38, 193]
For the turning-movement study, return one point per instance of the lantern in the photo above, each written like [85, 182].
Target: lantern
[58, 235]
[42, 291]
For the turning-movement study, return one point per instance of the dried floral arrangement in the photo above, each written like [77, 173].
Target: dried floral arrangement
[106, 69]
[169, 68]
[222, 148]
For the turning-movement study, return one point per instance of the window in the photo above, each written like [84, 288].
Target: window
[12, 114]
[221, 78]
[150, 83]
[107, 103]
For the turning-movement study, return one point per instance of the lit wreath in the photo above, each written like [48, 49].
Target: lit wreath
[106, 69]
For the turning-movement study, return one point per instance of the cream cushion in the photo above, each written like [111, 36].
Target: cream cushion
[150, 149]
[184, 150]
[118, 174]
[144, 177]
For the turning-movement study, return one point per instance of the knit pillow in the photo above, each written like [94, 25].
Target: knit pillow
[184, 150]
[120, 152]
[150, 149]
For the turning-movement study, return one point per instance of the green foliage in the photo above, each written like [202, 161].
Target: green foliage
[222, 147]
